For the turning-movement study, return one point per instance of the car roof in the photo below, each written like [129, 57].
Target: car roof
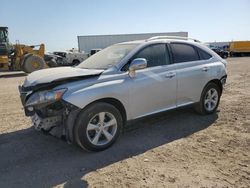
[132, 42]
[158, 40]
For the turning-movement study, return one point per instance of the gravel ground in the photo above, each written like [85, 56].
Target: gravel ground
[174, 149]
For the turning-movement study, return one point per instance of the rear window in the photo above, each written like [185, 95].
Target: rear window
[183, 53]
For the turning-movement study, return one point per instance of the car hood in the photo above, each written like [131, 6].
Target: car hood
[58, 74]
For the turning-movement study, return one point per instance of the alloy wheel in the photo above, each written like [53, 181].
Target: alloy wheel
[101, 128]
[211, 99]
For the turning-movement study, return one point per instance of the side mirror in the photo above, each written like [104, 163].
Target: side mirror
[136, 64]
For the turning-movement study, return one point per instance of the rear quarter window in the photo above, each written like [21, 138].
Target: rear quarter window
[203, 55]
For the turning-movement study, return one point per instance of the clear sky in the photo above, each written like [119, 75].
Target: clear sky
[57, 23]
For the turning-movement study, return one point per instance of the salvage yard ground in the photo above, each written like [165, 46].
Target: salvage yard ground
[173, 149]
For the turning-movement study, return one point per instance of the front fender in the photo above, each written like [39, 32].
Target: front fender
[116, 89]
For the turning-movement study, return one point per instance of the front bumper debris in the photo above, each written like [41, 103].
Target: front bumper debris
[47, 123]
[56, 118]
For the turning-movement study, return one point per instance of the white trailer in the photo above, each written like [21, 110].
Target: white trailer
[86, 43]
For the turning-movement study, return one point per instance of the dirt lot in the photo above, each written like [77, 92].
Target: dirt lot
[174, 149]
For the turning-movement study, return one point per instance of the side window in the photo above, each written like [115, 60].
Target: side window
[203, 55]
[155, 55]
[183, 53]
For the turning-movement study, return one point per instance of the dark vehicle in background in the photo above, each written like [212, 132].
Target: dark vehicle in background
[220, 51]
[54, 60]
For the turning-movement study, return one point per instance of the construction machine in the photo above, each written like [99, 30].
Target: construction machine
[19, 56]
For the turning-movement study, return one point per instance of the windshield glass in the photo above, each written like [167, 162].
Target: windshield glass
[3, 36]
[107, 57]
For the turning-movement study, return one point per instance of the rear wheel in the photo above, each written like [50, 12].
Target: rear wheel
[209, 100]
[97, 127]
[33, 63]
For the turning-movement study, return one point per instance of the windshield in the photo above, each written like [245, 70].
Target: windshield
[3, 36]
[107, 57]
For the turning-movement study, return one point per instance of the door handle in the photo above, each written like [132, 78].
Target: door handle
[205, 69]
[170, 75]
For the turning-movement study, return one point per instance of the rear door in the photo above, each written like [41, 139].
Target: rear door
[192, 69]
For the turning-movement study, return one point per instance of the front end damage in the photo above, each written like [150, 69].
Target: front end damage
[42, 98]
[54, 116]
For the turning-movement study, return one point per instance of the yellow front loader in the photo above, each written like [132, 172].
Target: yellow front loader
[19, 56]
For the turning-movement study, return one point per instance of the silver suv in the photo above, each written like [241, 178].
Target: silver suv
[90, 103]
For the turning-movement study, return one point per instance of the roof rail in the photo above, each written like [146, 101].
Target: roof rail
[172, 37]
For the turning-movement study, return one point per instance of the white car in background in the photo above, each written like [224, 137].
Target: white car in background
[72, 57]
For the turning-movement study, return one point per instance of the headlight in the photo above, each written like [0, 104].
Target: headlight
[44, 97]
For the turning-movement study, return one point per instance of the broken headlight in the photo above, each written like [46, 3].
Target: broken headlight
[45, 97]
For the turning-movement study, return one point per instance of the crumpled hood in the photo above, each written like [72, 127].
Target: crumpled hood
[57, 74]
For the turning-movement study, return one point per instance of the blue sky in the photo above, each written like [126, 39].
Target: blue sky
[57, 23]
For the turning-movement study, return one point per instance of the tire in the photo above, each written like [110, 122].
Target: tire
[89, 131]
[202, 107]
[52, 63]
[47, 57]
[33, 63]
[75, 62]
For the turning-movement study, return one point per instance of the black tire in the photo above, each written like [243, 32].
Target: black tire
[75, 62]
[52, 63]
[47, 57]
[200, 106]
[33, 63]
[81, 136]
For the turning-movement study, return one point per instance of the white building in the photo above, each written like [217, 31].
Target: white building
[86, 43]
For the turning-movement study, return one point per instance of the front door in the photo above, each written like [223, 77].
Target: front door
[154, 88]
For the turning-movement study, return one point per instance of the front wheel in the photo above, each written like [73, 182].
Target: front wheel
[33, 63]
[209, 100]
[97, 126]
